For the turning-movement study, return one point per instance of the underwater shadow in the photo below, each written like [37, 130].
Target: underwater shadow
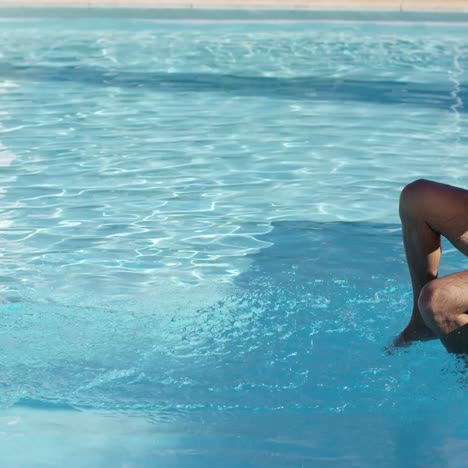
[304, 251]
[352, 251]
[457, 342]
[305, 88]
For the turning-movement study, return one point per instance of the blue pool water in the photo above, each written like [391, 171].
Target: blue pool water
[200, 256]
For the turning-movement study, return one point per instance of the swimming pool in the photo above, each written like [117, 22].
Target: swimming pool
[201, 258]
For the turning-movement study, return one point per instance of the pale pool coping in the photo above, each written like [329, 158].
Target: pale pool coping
[343, 5]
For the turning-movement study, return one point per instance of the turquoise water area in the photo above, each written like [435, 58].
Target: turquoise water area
[200, 252]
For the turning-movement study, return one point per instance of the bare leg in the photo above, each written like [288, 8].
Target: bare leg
[429, 210]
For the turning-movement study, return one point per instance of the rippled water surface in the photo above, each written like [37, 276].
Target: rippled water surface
[200, 254]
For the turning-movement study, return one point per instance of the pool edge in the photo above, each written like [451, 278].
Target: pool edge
[424, 6]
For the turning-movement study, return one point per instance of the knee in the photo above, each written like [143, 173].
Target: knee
[434, 305]
[412, 195]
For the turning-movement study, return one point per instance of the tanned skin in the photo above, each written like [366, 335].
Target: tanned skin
[429, 210]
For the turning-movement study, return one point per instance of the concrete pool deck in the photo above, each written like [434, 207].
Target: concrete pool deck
[349, 5]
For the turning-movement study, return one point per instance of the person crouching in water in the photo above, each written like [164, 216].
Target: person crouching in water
[429, 210]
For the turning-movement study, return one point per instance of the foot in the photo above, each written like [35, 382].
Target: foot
[414, 332]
